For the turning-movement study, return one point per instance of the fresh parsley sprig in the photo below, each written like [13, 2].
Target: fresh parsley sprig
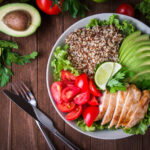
[74, 7]
[7, 57]
[120, 80]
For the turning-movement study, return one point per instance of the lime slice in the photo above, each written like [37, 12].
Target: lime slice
[103, 74]
[117, 67]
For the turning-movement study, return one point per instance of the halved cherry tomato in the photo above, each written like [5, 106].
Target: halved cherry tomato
[46, 6]
[125, 9]
[66, 75]
[68, 83]
[93, 89]
[66, 106]
[82, 98]
[93, 101]
[74, 114]
[90, 114]
[82, 82]
[69, 92]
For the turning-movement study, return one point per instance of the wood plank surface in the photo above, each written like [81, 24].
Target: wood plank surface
[18, 130]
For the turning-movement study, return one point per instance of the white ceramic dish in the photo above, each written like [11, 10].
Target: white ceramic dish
[105, 134]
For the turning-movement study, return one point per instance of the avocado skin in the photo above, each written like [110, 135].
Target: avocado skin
[36, 19]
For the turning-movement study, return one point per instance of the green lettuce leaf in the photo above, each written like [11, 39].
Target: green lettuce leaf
[125, 26]
[60, 62]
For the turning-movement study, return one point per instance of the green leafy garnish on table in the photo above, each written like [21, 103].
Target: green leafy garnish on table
[7, 57]
[74, 7]
[144, 8]
[125, 26]
[120, 80]
[60, 62]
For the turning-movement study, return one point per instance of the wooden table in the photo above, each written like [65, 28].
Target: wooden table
[18, 131]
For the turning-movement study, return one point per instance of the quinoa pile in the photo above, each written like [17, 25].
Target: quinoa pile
[91, 46]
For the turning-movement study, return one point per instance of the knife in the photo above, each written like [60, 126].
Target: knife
[39, 116]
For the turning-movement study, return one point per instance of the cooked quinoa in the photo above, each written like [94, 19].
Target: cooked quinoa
[90, 46]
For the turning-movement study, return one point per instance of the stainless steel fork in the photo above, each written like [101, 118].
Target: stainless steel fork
[22, 90]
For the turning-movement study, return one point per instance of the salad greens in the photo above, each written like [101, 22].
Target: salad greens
[125, 26]
[144, 8]
[120, 80]
[7, 57]
[60, 62]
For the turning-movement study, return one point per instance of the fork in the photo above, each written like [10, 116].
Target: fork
[22, 90]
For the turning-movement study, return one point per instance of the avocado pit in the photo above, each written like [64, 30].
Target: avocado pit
[18, 20]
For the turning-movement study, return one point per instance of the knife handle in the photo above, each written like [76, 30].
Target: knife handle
[66, 141]
[49, 143]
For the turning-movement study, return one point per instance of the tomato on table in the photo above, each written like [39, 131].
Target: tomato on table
[46, 6]
[56, 89]
[94, 91]
[66, 106]
[126, 9]
[82, 98]
[93, 101]
[82, 82]
[74, 114]
[69, 92]
[66, 75]
[89, 114]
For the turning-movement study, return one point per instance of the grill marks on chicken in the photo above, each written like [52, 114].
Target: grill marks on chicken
[124, 108]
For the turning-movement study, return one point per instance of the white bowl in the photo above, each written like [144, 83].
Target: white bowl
[105, 134]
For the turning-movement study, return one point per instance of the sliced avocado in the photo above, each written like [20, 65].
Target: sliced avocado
[143, 37]
[19, 19]
[132, 49]
[140, 51]
[129, 38]
[140, 76]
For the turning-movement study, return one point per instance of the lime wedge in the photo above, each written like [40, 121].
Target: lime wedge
[117, 67]
[103, 74]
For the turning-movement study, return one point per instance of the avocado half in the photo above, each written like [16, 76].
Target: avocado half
[19, 19]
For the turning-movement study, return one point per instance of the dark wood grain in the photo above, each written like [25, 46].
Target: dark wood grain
[18, 131]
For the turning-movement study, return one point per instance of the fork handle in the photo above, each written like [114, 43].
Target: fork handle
[49, 142]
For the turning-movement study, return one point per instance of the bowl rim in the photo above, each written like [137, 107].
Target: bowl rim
[48, 66]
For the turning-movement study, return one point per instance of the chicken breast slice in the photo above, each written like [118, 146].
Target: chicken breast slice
[140, 110]
[104, 104]
[127, 105]
[110, 110]
[119, 105]
[137, 96]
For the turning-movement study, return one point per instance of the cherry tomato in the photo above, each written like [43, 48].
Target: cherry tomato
[74, 114]
[66, 106]
[82, 82]
[68, 83]
[56, 89]
[69, 92]
[94, 91]
[125, 9]
[82, 98]
[45, 6]
[90, 114]
[66, 75]
[93, 101]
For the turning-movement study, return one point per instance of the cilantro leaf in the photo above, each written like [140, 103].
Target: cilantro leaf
[119, 81]
[8, 44]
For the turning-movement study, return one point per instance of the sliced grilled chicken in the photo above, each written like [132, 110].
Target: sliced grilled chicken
[119, 105]
[140, 110]
[103, 107]
[110, 110]
[127, 105]
[136, 98]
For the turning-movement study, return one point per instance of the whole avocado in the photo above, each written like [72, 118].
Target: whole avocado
[19, 19]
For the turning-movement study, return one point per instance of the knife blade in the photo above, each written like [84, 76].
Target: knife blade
[31, 110]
